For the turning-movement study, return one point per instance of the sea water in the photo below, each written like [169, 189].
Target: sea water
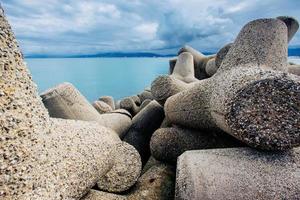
[96, 77]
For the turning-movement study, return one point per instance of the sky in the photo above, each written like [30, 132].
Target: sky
[68, 27]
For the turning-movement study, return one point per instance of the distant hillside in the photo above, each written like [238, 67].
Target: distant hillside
[291, 52]
[102, 55]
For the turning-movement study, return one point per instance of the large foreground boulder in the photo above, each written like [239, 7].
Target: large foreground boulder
[238, 173]
[44, 158]
[251, 97]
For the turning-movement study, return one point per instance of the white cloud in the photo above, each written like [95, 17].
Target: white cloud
[72, 26]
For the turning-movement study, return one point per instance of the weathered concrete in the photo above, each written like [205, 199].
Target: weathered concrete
[121, 178]
[238, 173]
[181, 78]
[157, 183]
[129, 105]
[294, 69]
[169, 143]
[184, 68]
[100, 195]
[211, 67]
[145, 95]
[66, 102]
[200, 61]
[118, 120]
[102, 107]
[145, 103]
[292, 25]
[45, 158]
[251, 96]
[143, 126]
[109, 100]
[172, 63]
[222, 54]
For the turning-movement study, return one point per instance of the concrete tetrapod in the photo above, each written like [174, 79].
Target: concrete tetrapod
[251, 96]
[294, 69]
[238, 173]
[109, 100]
[66, 102]
[169, 143]
[129, 105]
[200, 61]
[45, 158]
[182, 78]
[102, 107]
[292, 25]
[157, 183]
[143, 126]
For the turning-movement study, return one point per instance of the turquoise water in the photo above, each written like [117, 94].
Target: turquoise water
[95, 77]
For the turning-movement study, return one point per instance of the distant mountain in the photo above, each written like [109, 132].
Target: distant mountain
[107, 55]
[291, 52]
[103, 55]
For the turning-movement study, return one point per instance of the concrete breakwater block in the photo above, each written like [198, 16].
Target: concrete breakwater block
[108, 100]
[182, 77]
[238, 173]
[44, 158]
[294, 69]
[236, 100]
[169, 143]
[157, 183]
[102, 107]
[66, 102]
[200, 61]
[142, 128]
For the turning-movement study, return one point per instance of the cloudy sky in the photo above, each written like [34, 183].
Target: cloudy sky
[64, 27]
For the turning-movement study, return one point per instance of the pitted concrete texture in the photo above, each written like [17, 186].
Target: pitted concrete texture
[238, 173]
[292, 25]
[126, 170]
[169, 143]
[143, 126]
[22, 118]
[222, 54]
[100, 195]
[43, 158]
[102, 107]
[157, 183]
[165, 86]
[251, 96]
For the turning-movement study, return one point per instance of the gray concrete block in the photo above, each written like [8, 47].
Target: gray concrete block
[238, 173]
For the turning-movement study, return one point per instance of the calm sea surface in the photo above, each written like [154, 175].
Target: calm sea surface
[95, 77]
